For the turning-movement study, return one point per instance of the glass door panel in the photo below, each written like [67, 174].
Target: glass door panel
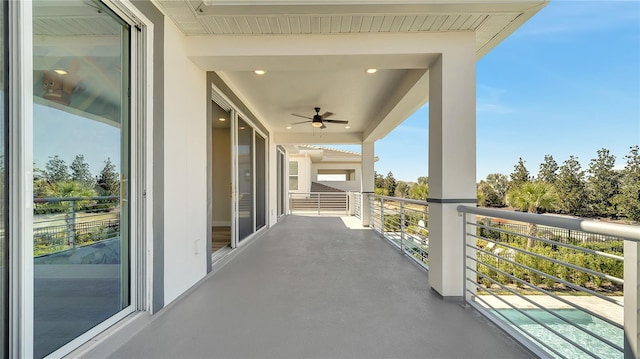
[4, 214]
[261, 173]
[81, 175]
[245, 179]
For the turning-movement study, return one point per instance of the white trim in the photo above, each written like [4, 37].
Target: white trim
[221, 223]
[21, 172]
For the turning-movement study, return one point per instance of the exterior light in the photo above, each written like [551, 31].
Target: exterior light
[316, 124]
[371, 71]
[222, 119]
[259, 72]
[242, 127]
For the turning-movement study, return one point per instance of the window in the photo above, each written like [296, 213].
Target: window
[293, 175]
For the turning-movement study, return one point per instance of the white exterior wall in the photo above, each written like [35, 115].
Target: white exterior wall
[185, 155]
[304, 172]
[343, 185]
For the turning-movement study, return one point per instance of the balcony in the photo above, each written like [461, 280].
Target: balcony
[318, 287]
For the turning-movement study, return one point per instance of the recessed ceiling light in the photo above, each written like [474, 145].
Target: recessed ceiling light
[371, 71]
[222, 119]
[347, 126]
[259, 72]
[289, 127]
[60, 71]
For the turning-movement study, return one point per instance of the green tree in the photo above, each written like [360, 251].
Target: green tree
[56, 170]
[532, 197]
[378, 181]
[108, 183]
[603, 184]
[548, 170]
[390, 184]
[571, 188]
[520, 174]
[419, 191]
[628, 200]
[423, 180]
[80, 172]
[402, 190]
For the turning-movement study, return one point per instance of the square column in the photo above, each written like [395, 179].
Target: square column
[367, 181]
[452, 162]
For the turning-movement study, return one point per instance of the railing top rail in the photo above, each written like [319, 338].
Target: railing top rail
[405, 200]
[65, 199]
[626, 231]
[341, 193]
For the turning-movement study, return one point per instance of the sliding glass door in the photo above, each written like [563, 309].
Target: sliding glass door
[81, 157]
[250, 179]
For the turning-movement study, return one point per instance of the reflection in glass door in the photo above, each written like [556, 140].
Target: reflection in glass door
[81, 141]
[244, 179]
[261, 175]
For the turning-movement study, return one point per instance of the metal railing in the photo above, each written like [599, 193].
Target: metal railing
[357, 205]
[319, 203]
[404, 222]
[560, 296]
[60, 224]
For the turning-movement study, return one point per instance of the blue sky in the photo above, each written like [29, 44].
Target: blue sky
[565, 83]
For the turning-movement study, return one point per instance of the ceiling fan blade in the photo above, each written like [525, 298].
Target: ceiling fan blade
[293, 114]
[326, 114]
[297, 123]
[323, 127]
[337, 121]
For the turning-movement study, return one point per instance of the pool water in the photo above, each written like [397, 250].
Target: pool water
[590, 343]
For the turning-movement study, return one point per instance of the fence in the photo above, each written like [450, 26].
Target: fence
[64, 223]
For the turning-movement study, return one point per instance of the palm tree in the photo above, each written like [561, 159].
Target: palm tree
[533, 197]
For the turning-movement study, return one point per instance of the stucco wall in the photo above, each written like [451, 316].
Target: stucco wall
[185, 159]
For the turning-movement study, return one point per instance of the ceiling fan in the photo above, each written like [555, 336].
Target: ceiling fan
[318, 120]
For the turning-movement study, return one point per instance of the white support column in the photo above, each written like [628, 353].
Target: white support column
[367, 181]
[452, 162]
[631, 299]
[274, 191]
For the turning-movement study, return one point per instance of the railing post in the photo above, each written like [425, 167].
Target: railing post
[631, 299]
[402, 228]
[382, 216]
[71, 224]
[464, 259]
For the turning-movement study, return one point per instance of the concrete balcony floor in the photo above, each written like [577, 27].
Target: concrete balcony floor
[311, 287]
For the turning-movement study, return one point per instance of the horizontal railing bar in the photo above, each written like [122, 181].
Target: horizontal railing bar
[546, 275]
[541, 256]
[551, 242]
[538, 289]
[628, 232]
[66, 199]
[529, 335]
[405, 200]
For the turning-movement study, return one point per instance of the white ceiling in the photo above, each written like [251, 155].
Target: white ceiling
[316, 52]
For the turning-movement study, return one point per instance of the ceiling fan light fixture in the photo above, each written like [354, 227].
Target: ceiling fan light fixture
[316, 124]
[371, 71]
[259, 72]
